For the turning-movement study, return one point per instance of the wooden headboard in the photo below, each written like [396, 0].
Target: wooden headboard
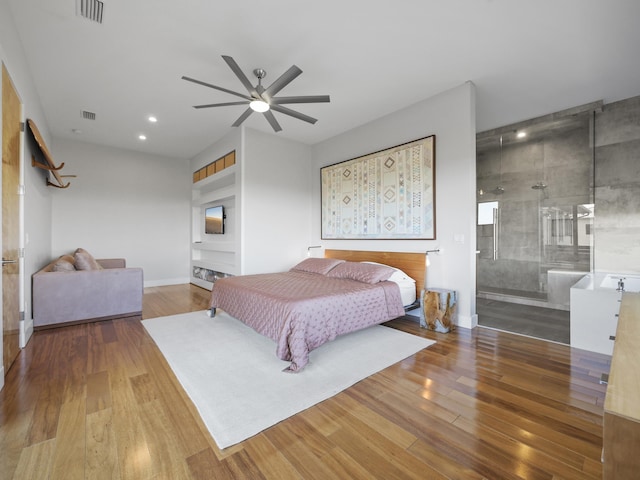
[413, 264]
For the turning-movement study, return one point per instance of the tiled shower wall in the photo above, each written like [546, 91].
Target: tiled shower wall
[561, 157]
[617, 192]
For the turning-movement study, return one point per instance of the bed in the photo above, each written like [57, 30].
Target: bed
[316, 301]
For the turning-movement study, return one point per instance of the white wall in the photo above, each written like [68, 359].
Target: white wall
[450, 116]
[276, 202]
[37, 198]
[125, 204]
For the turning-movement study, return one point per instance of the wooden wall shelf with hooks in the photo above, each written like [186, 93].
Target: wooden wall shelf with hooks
[49, 166]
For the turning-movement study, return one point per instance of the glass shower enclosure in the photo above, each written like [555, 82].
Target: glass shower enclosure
[535, 209]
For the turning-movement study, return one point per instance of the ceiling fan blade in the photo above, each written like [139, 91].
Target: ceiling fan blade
[220, 104]
[292, 113]
[242, 117]
[282, 81]
[301, 99]
[240, 74]
[242, 95]
[272, 121]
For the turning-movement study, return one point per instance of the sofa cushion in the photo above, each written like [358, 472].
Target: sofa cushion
[64, 264]
[68, 257]
[85, 261]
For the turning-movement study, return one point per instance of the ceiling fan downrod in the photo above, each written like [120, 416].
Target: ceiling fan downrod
[260, 73]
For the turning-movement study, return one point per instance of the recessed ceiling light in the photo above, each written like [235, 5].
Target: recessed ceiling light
[521, 134]
[142, 137]
[152, 119]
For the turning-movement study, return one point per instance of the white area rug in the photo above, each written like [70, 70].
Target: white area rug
[235, 380]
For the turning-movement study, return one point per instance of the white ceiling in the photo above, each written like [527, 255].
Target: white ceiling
[526, 58]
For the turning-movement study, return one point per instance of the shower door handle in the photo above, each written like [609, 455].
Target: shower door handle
[496, 230]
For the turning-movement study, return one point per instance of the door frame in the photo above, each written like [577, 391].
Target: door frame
[24, 333]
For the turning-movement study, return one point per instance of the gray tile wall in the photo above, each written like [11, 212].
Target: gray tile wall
[559, 155]
[617, 192]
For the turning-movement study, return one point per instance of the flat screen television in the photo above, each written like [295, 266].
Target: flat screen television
[214, 220]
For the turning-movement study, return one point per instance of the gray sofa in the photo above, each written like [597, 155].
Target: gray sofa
[63, 297]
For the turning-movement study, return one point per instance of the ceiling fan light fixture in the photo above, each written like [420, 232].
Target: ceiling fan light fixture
[263, 100]
[259, 106]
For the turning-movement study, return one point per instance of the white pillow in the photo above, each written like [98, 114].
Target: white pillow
[405, 282]
[397, 276]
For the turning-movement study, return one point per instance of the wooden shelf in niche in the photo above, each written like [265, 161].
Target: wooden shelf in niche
[214, 167]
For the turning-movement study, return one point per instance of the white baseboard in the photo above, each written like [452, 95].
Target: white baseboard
[26, 330]
[468, 322]
[167, 281]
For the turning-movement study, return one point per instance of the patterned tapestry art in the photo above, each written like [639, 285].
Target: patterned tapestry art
[384, 195]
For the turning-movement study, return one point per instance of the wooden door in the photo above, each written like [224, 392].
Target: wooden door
[11, 109]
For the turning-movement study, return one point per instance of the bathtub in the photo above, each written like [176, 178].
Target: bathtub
[594, 306]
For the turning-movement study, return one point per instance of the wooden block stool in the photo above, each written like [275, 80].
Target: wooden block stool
[438, 309]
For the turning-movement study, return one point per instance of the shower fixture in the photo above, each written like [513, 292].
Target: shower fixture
[499, 190]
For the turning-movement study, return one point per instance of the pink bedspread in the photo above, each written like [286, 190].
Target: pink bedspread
[300, 311]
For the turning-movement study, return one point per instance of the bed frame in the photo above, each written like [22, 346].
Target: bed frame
[413, 264]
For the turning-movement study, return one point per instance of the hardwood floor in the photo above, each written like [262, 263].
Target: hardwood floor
[99, 401]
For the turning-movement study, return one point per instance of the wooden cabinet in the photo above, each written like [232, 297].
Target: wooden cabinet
[214, 167]
[621, 435]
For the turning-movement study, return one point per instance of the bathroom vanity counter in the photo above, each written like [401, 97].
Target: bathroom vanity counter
[621, 434]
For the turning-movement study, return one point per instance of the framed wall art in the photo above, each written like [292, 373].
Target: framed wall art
[388, 194]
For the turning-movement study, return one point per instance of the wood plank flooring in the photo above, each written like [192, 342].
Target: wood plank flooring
[98, 400]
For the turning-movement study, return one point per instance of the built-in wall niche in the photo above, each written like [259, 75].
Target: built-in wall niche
[214, 254]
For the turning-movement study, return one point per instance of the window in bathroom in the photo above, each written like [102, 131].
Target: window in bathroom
[486, 213]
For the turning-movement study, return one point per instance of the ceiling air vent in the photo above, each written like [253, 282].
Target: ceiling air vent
[90, 9]
[88, 115]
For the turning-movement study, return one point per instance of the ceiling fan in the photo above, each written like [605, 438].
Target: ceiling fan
[263, 100]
